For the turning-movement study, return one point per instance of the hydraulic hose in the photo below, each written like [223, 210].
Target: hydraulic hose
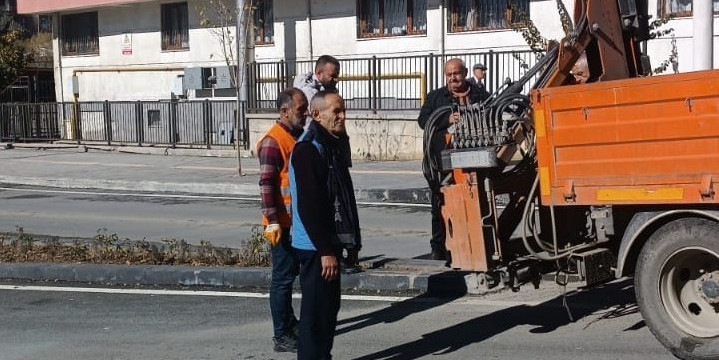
[559, 255]
[429, 168]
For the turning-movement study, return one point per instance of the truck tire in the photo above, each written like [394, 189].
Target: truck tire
[672, 270]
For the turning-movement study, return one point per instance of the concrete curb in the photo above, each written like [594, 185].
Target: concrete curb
[438, 282]
[412, 196]
[131, 149]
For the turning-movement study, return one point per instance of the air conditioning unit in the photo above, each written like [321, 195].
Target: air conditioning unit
[208, 78]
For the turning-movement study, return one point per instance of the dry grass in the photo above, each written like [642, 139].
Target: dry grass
[107, 248]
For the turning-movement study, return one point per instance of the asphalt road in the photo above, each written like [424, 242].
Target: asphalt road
[396, 231]
[526, 325]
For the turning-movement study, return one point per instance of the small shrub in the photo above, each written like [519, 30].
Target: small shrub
[255, 250]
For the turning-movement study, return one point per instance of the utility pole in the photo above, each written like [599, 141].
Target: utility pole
[241, 78]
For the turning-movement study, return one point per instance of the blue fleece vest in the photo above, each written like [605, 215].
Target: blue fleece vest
[300, 239]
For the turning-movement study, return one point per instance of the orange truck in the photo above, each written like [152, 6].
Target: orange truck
[605, 175]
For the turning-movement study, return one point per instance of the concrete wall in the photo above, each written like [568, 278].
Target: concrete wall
[372, 136]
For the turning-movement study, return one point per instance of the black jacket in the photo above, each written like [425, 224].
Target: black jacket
[325, 194]
[480, 85]
[436, 99]
[441, 97]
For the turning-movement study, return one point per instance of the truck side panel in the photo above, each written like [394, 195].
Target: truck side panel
[648, 140]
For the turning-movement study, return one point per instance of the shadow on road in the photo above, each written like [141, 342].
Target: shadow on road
[546, 317]
[450, 284]
[393, 313]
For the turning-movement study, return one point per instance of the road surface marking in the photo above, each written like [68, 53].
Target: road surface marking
[186, 293]
[257, 170]
[126, 165]
[84, 163]
[389, 172]
[463, 301]
[81, 163]
[211, 197]
[218, 168]
[79, 192]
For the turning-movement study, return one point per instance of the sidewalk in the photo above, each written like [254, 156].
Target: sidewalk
[73, 168]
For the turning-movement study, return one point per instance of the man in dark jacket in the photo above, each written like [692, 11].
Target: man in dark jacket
[458, 91]
[479, 73]
[323, 210]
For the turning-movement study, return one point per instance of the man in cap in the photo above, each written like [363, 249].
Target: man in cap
[479, 71]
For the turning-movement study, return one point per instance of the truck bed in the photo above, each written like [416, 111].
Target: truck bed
[652, 140]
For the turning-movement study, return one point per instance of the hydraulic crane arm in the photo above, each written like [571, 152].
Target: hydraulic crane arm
[610, 33]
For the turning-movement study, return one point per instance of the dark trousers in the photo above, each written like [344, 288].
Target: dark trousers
[437, 242]
[285, 268]
[320, 305]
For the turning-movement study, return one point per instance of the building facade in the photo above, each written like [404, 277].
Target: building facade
[128, 50]
[107, 50]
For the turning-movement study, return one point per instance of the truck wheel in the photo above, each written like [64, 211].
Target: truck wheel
[677, 287]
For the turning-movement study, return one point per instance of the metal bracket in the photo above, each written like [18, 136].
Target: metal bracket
[707, 188]
[569, 195]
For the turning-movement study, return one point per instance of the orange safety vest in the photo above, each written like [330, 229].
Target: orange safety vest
[285, 142]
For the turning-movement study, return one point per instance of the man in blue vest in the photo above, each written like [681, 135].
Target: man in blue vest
[323, 210]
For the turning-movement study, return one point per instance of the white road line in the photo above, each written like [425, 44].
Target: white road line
[132, 194]
[126, 165]
[185, 293]
[387, 172]
[369, 203]
[177, 196]
[82, 163]
[467, 301]
[216, 168]
[495, 303]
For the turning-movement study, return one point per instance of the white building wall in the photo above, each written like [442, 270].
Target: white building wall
[333, 31]
[660, 49]
[114, 76]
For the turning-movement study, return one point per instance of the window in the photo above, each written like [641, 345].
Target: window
[153, 118]
[7, 6]
[378, 18]
[264, 23]
[79, 34]
[175, 27]
[44, 23]
[680, 8]
[471, 15]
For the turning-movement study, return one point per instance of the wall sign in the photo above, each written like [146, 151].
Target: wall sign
[127, 44]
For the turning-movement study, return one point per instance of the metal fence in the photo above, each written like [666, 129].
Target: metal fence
[25, 122]
[374, 84]
[391, 83]
[190, 123]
